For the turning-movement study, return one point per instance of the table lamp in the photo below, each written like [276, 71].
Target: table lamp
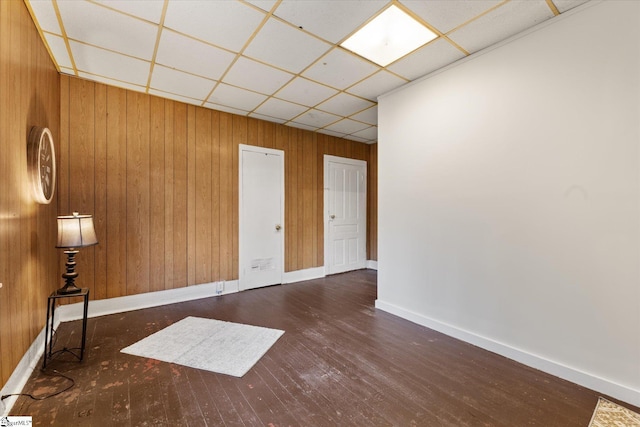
[74, 232]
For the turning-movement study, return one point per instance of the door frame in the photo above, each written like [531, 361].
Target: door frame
[256, 149]
[325, 208]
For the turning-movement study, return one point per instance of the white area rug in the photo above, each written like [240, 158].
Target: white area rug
[212, 345]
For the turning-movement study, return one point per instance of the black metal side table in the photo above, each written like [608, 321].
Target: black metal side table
[48, 337]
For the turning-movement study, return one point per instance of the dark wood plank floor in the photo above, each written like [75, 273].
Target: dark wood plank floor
[340, 362]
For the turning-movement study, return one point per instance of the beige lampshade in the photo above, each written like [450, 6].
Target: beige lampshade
[76, 231]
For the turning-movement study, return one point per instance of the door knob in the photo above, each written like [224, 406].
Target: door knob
[278, 227]
[332, 217]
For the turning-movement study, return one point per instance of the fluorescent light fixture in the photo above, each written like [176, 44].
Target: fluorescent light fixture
[389, 36]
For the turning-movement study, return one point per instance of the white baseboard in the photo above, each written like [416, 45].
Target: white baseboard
[372, 265]
[301, 275]
[23, 371]
[104, 307]
[568, 373]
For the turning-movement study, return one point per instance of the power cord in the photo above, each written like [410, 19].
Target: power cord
[54, 374]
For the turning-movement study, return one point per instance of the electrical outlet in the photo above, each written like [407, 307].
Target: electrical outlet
[219, 287]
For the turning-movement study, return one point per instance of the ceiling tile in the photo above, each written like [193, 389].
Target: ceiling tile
[175, 97]
[316, 118]
[370, 134]
[174, 81]
[302, 126]
[46, 15]
[376, 85]
[428, 58]
[369, 115]
[236, 98]
[344, 104]
[190, 55]
[267, 118]
[305, 92]
[283, 46]
[340, 69]
[256, 76]
[145, 9]
[503, 22]
[112, 82]
[227, 109]
[58, 50]
[265, 5]
[331, 132]
[347, 126]
[227, 24]
[564, 5]
[109, 64]
[445, 15]
[102, 27]
[280, 109]
[330, 20]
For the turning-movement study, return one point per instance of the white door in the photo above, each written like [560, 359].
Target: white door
[261, 186]
[345, 183]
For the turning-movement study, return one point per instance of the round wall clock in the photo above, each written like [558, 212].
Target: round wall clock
[41, 157]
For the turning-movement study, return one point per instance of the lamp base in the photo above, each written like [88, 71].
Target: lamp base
[70, 275]
[68, 290]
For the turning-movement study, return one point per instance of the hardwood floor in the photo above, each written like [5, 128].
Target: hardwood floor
[340, 362]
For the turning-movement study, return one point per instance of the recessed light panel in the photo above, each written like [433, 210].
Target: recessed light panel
[389, 36]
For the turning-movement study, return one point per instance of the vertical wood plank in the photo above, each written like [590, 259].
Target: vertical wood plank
[169, 182]
[280, 135]
[239, 137]
[100, 201]
[63, 153]
[157, 171]
[300, 199]
[215, 196]
[320, 152]
[268, 134]
[359, 151]
[226, 196]
[27, 222]
[180, 196]
[314, 219]
[82, 170]
[254, 132]
[137, 193]
[116, 238]
[191, 195]
[292, 197]
[203, 196]
[308, 214]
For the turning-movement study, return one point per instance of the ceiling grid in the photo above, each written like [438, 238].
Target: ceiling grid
[276, 60]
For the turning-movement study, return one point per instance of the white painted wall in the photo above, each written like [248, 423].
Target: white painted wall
[509, 199]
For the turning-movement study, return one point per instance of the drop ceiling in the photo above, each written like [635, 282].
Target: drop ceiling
[276, 60]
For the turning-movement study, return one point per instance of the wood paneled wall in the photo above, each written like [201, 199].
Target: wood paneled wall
[29, 96]
[161, 179]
